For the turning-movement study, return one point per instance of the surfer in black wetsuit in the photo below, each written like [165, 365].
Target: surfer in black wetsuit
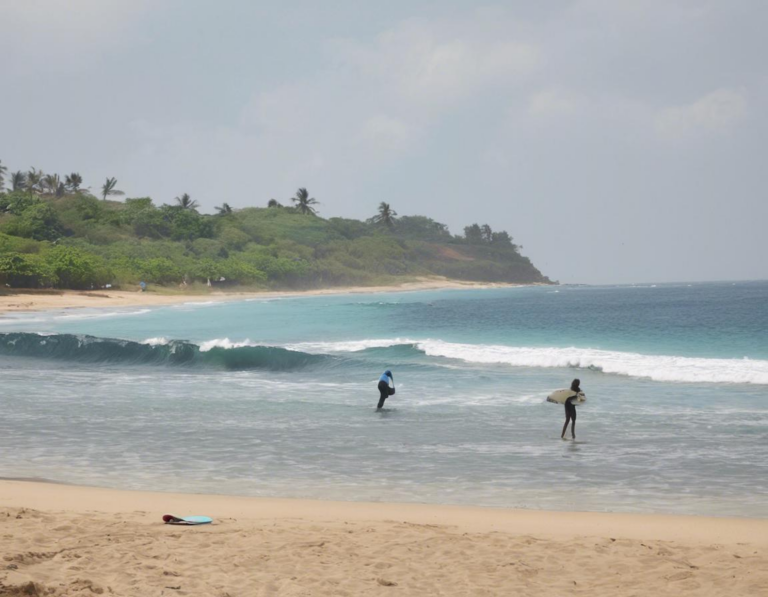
[384, 390]
[570, 410]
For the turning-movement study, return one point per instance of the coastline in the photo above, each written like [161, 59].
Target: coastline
[68, 538]
[97, 299]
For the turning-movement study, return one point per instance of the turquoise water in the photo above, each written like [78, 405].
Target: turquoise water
[276, 397]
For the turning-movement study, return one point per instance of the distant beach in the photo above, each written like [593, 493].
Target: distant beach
[22, 300]
[67, 540]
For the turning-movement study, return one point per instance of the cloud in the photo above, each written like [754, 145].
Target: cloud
[384, 135]
[376, 99]
[552, 103]
[636, 11]
[437, 64]
[62, 35]
[67, 17]
[285, 109]
[717, 112]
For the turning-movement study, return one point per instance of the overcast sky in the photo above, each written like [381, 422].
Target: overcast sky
[616, 140]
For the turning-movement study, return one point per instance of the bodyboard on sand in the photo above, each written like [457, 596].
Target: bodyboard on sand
[560, 396]
[187, 520]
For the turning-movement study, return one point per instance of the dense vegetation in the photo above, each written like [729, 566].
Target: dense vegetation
[54, 233]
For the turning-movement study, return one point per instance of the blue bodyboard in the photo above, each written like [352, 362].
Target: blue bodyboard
[189, 520]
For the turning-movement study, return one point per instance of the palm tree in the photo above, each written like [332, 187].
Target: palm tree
[3, 170]
[274, 203]
[225, 209]
[304, 203]
[52, 185]
[386, 215]
[109, 188]
[487, 233]
[73, 182]
[18, 181]
[34, 180]
[185, 202]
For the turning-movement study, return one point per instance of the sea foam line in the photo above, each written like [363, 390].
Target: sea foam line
[662, 368]
[350, 345]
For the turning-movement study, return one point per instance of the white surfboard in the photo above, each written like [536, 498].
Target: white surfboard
[560, 396]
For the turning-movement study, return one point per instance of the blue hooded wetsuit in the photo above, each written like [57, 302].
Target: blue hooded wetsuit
[384, 390]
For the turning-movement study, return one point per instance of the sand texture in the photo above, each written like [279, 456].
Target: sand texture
[300, 548]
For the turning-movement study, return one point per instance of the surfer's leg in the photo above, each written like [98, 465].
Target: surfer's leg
[383, 393]
[567, 420]
[573, 421]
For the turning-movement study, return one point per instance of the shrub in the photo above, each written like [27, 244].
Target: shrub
[25, 271]
[38, 221]
[158, 270]
[77, 269]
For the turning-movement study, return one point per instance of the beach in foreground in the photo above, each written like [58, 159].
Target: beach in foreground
[69, 540]
[22, 301]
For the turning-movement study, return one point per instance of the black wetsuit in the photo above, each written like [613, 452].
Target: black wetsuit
[384, 391]
[570, 409]
[570, 412]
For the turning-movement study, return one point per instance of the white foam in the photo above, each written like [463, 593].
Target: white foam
[101, 315]
[349, 345]
[16, 320]
[528, 399]
[223, 343]
[655, 367]
[159, 341]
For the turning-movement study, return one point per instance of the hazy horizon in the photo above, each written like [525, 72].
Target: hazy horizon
[618, 142]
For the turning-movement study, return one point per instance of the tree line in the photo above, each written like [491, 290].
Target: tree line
[54, 232]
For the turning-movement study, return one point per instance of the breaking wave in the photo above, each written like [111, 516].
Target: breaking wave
[222, 353]
[159, 351]
[656, 367]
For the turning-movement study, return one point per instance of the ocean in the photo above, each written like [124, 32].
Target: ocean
[276, 397]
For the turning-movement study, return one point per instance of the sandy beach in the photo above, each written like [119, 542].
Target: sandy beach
[67, 540]
[21, 300]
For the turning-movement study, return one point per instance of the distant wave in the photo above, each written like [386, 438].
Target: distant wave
[103, 314]
[352, 345]
[217, 354]
[655, 367]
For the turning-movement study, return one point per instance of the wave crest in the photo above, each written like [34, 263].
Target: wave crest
[218, 354]
[656, 367]
[222, 353]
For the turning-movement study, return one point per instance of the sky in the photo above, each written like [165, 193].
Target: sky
[617, 141]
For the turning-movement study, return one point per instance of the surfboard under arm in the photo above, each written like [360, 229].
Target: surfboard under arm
[560, 396]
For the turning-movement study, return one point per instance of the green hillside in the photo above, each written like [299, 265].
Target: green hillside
[55, 234]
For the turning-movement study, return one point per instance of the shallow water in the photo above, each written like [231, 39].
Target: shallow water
[276, 397]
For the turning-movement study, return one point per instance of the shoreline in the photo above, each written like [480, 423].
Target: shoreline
[64, 539]
[28, 302]
[45, 494]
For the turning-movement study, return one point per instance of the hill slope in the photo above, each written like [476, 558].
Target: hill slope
[78, 241]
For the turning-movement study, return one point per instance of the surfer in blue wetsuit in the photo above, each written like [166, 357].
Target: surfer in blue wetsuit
[386, 387]
[570, 410]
